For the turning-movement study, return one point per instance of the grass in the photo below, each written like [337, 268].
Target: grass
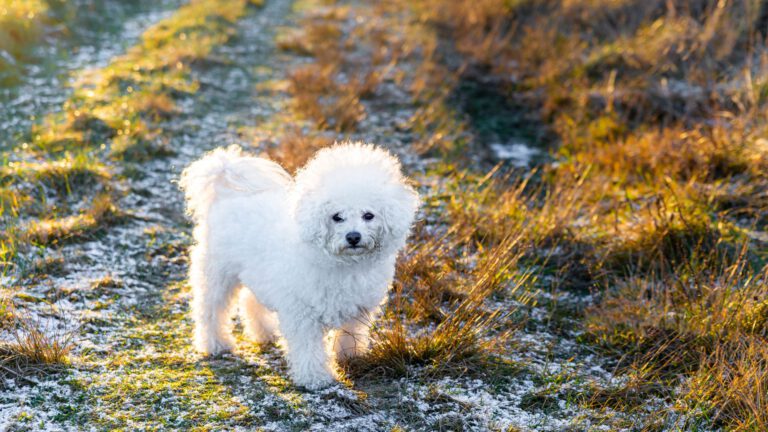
[159, 370]
[59, 187]
[320, 98]
[650, 203]
[654, 112]
[732, 384]
[648, 165]
[329, 91]
[102, 213]
[22, 25]
[60, 176]
[34, 349]
[296, 148]
[115, 108]
[442, 319]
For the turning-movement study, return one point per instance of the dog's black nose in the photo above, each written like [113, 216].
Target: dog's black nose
[353, 238]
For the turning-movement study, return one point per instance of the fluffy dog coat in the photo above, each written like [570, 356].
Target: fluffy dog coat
[313, 253]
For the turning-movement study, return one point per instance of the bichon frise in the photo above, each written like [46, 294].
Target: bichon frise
[313, 253]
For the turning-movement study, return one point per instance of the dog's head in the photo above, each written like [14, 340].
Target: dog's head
[352, 201]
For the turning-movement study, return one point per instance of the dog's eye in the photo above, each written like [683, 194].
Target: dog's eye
[337, 218]
[368, 216]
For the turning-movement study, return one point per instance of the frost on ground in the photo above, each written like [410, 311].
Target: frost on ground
[125, 298]
[519, 154]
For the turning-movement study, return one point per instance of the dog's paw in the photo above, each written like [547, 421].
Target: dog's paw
[315, 383]
[313, 378]
[214, 347]
[260, 336]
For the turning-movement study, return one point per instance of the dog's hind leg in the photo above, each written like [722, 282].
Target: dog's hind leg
[212, 291]
[260, 323]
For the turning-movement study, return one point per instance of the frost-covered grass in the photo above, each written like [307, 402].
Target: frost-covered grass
[22, 24]
[653, 194]
[610, 277]
[33, 348]
[114, 109]
[32, 31]
[60, 186]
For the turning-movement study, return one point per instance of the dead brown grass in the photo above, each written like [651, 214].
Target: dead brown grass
[315, 37]
[296, 148]
[348, 66]
[705, 319]
[35, 348]
[654, 112]
[657, 112]
[451, 312]
[320, 97]
[468, 331]
[51, 231]
[733, 380]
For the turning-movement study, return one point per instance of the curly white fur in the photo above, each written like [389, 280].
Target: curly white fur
[287, 241]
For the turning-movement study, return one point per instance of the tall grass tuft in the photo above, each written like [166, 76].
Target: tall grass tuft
[35, 348]
[449, 318]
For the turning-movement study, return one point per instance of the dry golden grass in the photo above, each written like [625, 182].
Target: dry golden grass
[468, 333]
[296, 148]
[34, 349]
[732, 383]
[657, 110]
[319, 97]
[315, 37]
[443, 317]
[347, 68]
[100, 214]
[709, 300]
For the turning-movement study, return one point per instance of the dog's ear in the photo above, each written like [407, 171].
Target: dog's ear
[398, 207]
[309, 212]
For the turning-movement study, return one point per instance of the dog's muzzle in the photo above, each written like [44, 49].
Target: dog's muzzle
[353, 238]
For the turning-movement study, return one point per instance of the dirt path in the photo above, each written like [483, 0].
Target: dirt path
[125, 293]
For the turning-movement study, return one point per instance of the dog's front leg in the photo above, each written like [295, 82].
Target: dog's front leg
[308, 360]
[352, 338]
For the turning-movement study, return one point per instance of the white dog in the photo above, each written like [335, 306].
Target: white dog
[315, 252]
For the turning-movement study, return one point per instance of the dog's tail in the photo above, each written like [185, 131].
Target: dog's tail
[227, 172]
